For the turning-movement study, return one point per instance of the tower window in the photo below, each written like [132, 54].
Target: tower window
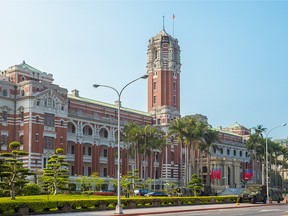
[174, 85]
[22, 116]
[4, 92]
[4, 115]
[174, 99]
[155, 53]
[154, 85]
[49, 119]
[154, 99]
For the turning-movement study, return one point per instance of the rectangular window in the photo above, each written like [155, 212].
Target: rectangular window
[154, 85]
[89, 171]
[22, 116]
[89, 151]
[37, 137]
[44, 162]
[105, 172]
[72, 170]
[4, 116]
[174, 99]
[49, 119]
[83, 150]
[174, 85]
[4, 140]
[61, 140]
[154, 99]
[172, 173]
[72, 149]
[105, 153]
[38, 102]
[48, 142]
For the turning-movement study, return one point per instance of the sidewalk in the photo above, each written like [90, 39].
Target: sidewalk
[163, 210]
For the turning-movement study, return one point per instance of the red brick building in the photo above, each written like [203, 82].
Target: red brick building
[44, 116]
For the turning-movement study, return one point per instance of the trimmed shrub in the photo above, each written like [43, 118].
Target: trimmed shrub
[31, 189]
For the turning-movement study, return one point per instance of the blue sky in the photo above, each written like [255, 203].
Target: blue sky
[234, 54]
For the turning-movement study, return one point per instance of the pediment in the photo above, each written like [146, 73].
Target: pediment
[6, 108]
[50, 94]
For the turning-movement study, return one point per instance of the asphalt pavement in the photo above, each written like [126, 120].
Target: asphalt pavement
[165, 210]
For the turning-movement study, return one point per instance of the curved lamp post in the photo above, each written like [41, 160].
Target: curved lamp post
[119, 207]
[267, 176]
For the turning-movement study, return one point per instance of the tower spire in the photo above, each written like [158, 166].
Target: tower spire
[163, 23]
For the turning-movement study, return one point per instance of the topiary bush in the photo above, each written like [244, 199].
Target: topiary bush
[31, 189]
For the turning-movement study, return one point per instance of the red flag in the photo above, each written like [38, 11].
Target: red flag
[173, 17]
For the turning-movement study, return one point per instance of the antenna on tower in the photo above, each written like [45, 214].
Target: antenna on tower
[163, 23]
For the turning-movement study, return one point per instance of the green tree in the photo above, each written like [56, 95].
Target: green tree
[209, 137]
[13, 174]
[142, 140]
[55, 176]
[96, 181]
[195, 184]
[132, 135]
[177, 129]
[84, 182]
[256, 145]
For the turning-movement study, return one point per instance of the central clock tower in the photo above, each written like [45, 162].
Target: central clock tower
[163, 68]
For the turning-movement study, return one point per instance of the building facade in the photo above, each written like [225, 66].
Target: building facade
[44, 116]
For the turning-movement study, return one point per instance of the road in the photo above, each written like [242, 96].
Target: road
[244, 209]
[277, 210]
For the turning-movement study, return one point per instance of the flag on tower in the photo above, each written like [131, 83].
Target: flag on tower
[173, 17]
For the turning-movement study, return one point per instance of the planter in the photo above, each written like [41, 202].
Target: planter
[102, 206]
[156, 203]
[212, 200]
[178, 202]
[67, 208]
[23, 211]
[131, 204]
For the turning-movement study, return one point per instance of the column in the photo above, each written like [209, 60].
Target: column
[78, 159]
[96, 158]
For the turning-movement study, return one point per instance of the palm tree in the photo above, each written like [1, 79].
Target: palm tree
[131, 135]
[210, 136]
[196, 129]
[177, 129]
[256, 144]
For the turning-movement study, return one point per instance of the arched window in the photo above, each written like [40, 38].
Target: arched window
[240, 153]
[228, 151]
[103, 133]
[234, 152]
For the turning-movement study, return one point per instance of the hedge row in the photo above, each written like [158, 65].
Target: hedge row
[20, 208]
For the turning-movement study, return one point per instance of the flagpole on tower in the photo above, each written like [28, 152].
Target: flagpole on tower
[173, 17]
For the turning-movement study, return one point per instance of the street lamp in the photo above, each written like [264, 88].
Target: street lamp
[267, 176]
[119, 207]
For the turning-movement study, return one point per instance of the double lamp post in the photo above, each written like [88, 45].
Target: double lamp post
[267, 175]
[119, 207]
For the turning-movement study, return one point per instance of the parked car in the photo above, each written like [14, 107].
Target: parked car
[140, 192]
[155, 193]
[258, 193]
